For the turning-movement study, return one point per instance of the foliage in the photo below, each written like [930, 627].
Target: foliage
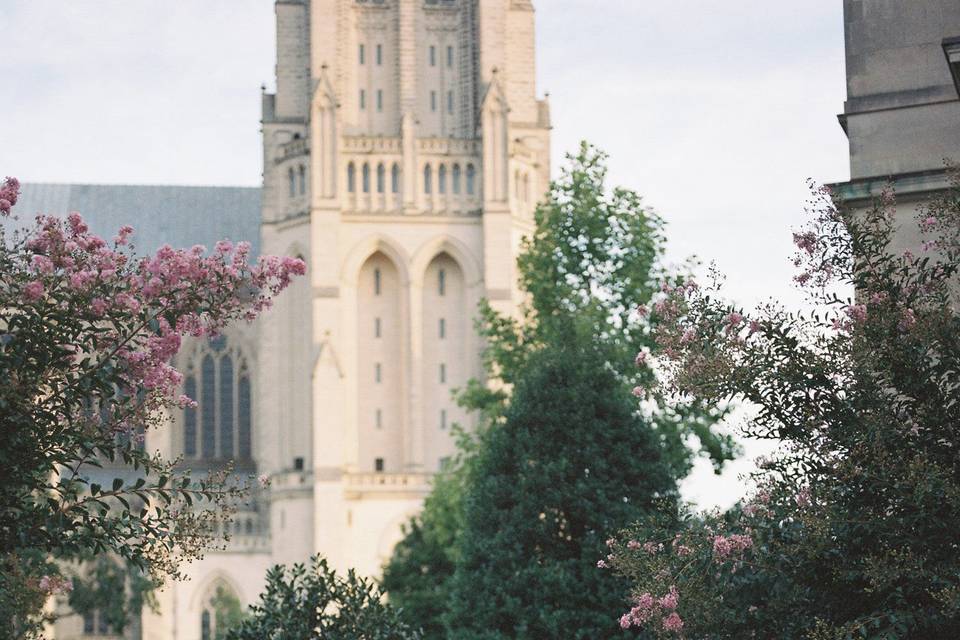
[852, 532]
[594, 258]
[87, 332]
[116, 589]
[228, 612]
[303, 603]
[572, 462]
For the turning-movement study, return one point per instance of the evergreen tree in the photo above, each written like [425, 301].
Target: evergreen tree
[573, 463]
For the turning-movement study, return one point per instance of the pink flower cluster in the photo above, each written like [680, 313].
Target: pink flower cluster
[648, 608]
[9, 192]
[53, 585]
[726, 546]
[141, 308]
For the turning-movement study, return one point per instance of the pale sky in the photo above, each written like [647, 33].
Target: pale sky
[717, 111]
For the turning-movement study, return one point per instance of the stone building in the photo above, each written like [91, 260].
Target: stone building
[403, 153]
[902, 113]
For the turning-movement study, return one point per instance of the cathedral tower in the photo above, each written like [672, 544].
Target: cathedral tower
[404, 151]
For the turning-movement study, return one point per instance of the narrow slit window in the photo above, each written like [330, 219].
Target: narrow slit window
[443, 328]
[292, 182]
[378, 465]
[377, 372]
[376, 284]
[443, 373]
[379, 99]
[443, 419]
[381, 178]
[471, 178]
[433, 101]
[449, 101]
[351, 178]
[427, 179]
[362, 55]
[363, 99]
[379, 54]
[376, 327]
[433, 56]
[449, 56]
[395, 178]
[442, 179]
[456, 178]
[379, 419]
[366, 178]
[303, 180]
[442, 282]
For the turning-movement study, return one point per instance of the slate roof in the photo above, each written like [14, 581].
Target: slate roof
[162, 214]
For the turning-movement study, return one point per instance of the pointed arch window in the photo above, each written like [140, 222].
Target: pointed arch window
[366, 177]
[292, 182]
[351, 178]
[190, 418]
[442, 179]
[226, 407]
[244, 422]
[471, 179]
[395, 178]
[381, 178]
[456, 178]
[303, 179]
[427, 179]
[208, 408]
[220, 428]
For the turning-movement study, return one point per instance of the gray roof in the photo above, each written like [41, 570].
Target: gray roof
[175, 215]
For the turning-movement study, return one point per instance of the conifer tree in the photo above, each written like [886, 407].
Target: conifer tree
[573, 462]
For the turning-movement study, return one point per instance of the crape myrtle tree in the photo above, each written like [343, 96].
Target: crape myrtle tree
[314, 603]
[852, 531]
[87, 333]
[594, 256]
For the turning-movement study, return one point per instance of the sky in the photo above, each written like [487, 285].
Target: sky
[716, 111]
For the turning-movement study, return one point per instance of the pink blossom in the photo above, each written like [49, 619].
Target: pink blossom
[633, 545]
[806, 241]
[907, 320]
[669, 601]
[688, 336]
[928, 223]
[602, 564]
[42, 264]
[641, 359]
[673, 622]
[803, 498]
[650, 547]
[33, 291]
[625, 621]
[683, 550]
[98, 306]
[857, 312]
[264, 479]
[638, 391]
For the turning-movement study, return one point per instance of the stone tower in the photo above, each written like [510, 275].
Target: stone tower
[902, 113]
[404, 151]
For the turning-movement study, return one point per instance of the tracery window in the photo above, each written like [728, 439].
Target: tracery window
[218, 379]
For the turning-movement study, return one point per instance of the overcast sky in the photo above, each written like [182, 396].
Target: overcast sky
[717, 111]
